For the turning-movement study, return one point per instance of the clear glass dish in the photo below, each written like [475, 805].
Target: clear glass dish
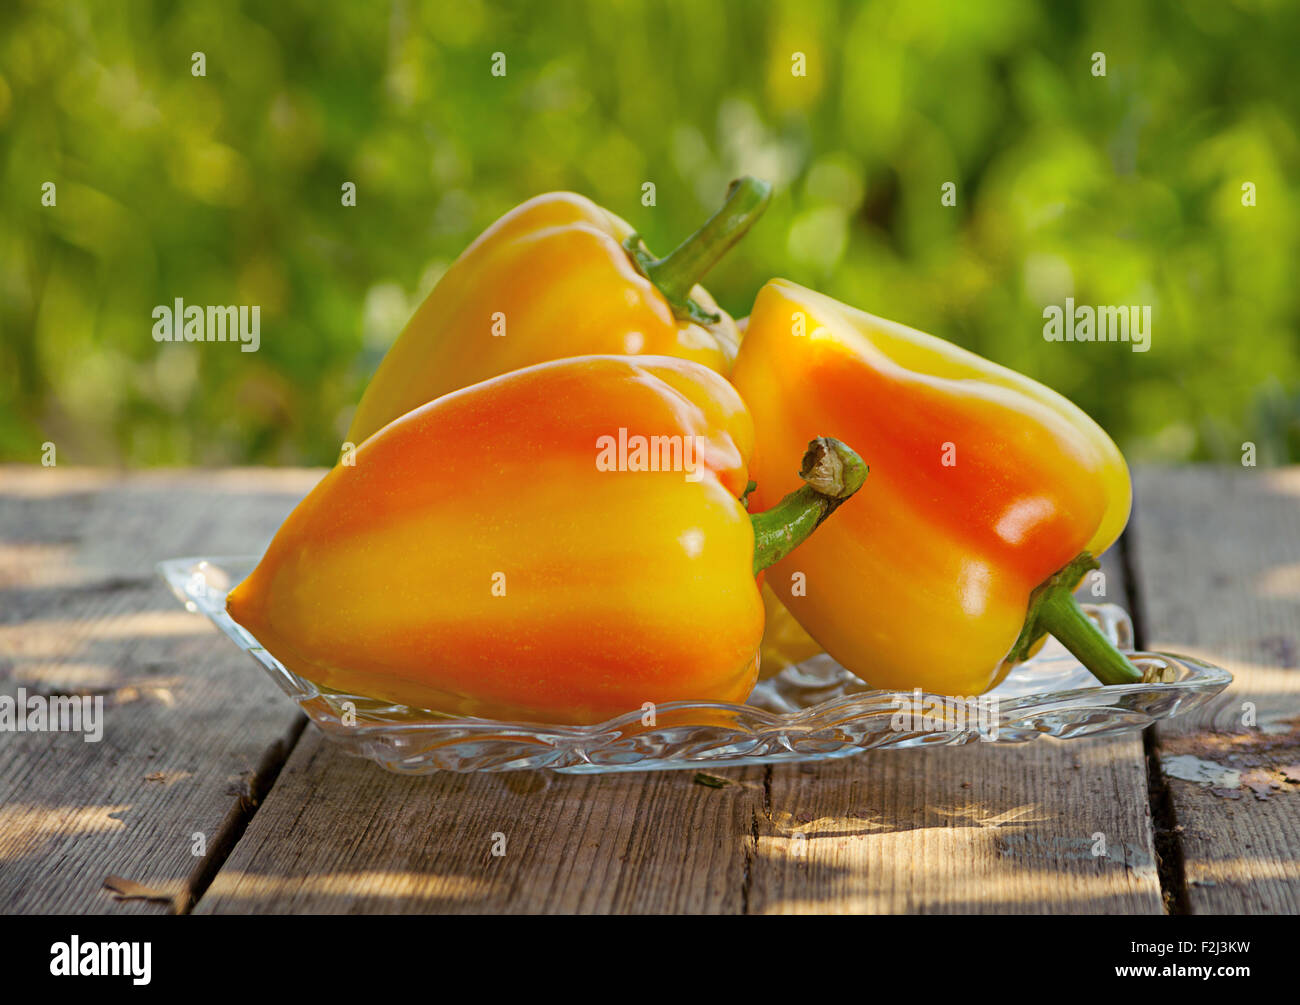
[813, 710]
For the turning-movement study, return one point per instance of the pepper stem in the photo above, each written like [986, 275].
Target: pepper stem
[832, 472]
[1052, 608]
[676, 274]
[1060, 614]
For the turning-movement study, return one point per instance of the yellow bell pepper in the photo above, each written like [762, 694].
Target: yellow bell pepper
[490, 554]
[990, 495]
[560, 276]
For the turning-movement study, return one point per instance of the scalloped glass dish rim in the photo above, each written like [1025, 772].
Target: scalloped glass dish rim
[774, 726]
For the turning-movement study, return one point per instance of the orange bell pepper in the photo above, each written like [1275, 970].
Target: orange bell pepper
[563, 543]
[559, 276]
[990, 495]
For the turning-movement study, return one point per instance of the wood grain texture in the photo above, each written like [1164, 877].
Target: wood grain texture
[189, 721]
[339, 835]
[1217, 556]
[1039, 829]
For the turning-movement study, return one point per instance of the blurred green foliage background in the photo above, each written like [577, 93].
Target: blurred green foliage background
[225, 189]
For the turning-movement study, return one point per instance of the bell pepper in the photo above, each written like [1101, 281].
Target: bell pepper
[529, 548]
[990, 496]
[560, 276]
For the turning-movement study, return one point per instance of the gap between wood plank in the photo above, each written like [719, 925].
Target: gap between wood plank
[1164, 821]
[751, 852]
[240, 816]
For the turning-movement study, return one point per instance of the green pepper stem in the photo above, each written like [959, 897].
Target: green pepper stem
[676, 274]
[832, 472]
[1060, 614]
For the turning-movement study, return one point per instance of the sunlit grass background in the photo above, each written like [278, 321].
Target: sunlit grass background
[225, 189]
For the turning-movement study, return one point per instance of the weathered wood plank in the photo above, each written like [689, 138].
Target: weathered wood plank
[190, 724]
[338, 835]
[1217, 560]
[1048, 827]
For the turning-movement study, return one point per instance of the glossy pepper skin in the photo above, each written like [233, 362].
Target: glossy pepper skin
[476, 559]
[559, 276]
[985, 486]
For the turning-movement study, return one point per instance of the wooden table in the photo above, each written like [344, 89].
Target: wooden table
[208, 793]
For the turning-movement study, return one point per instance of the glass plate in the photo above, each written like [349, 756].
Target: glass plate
[813, 710]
